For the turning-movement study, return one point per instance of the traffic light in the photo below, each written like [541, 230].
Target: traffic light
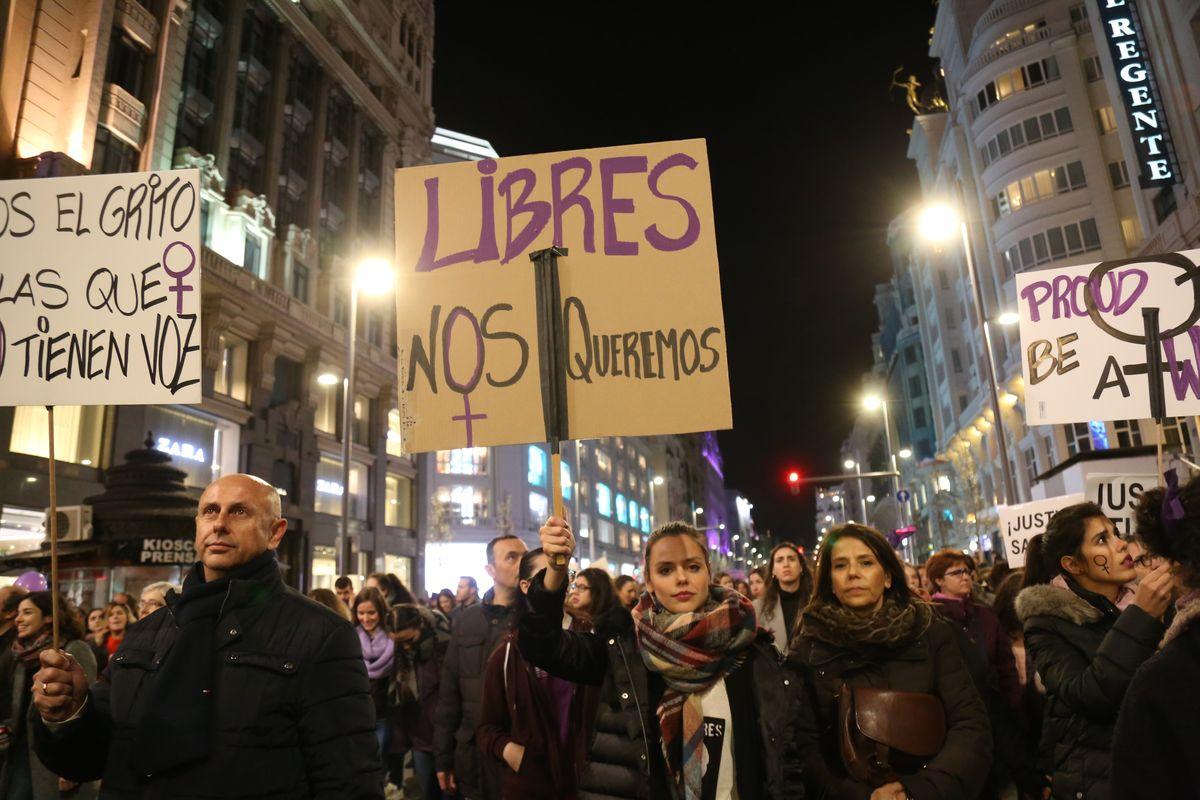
[793, 479]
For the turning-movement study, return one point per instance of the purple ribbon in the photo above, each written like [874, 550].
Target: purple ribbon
[1172, 508]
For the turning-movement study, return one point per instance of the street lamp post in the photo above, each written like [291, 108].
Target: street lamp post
[374, 277]
[862, 501]
[871, 403]
[936, 223]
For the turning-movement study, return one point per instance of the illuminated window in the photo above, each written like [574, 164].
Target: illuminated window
[539, 507]
[1106, 119]
[604, 532]
[394, 437]
[361, 429]
[603, 500]
[327, 417]
[78, 431]
[463, 461]
[398, 512]
[622, 516]
[633, 513]
[635, 541]
[645, 521]
[468, 505]
[585, 526]
[537, 466]
[564, 477]
[330, 488]
[230, 379]
[623, 539]
[603, 462]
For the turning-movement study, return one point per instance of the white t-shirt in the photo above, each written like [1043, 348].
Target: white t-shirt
[720, 780]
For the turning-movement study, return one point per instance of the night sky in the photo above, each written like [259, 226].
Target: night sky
[807, 148]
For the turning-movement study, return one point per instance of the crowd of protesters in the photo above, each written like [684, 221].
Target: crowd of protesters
[854, 675]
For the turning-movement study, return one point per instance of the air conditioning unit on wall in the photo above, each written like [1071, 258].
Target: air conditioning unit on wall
[74, 523]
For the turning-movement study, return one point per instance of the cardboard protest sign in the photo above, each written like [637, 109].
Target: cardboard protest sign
[1084, 334]
[1117, 495]
[1019, 524]
[100, 289]
[642, 333]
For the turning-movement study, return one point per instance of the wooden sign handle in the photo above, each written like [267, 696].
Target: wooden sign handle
[54, 609]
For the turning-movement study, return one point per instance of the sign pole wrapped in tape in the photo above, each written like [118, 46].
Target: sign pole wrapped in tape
[99, 298]
[618, 328]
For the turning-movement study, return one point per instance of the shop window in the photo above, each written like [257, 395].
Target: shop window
[78, 433]
[398, 499]
[324, 567]
[330, 489]
[400, 566]
[230, 379]
[463, 461]
[537, 466]
[196, 444]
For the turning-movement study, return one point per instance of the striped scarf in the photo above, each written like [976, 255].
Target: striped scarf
[692, 651]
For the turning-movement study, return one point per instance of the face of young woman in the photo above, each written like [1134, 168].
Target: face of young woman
[786, 566]
[913, 577]
[581, 595]
[859, 579]
[117, 620]
[956, 581]
[445, 603]
[678, 574]
[368, 616]
[726, 582]
[629, 594]
[1104, 557]
[95, 620]
[756, 586]
[29, 620]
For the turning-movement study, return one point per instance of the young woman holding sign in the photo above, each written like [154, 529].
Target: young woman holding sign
[1088, 633]
[687, 672]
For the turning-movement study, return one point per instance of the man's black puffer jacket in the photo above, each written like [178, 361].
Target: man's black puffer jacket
[625, 757]
[292, 717]
[1086, 652]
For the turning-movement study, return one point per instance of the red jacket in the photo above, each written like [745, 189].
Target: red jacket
[517, 708]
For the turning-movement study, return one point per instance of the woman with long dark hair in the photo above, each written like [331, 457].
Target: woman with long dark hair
[24, 777]
[787, 591]
[865, 630]
[589, 596]
[421, 637]
[692, 700]
[1156, 747]
[1088, 633]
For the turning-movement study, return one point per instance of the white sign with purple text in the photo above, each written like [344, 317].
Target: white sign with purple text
[100, 289]
[1084, 333]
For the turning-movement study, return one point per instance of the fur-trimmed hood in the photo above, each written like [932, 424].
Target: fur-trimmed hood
[1188, 615]
[1052, 601]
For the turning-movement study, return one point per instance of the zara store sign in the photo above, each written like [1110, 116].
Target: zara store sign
[1139, 91]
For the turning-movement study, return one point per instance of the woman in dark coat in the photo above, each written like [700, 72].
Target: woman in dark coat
[864, 628]
[692, 701]
[1156, 747]
[1088, 633]
[421, 637]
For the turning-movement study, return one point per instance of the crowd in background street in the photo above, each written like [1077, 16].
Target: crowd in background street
[853, 675]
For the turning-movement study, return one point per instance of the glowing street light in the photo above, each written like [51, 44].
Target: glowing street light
[937, 223]
[849, 463]
[1009, 318]
[328, 379]
[658, 480]
[905, 453]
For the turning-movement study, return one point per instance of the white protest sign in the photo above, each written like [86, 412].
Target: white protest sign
[1117, 495]
[642, 332]
[1019, 524]
[1083, 338]
[100, 289]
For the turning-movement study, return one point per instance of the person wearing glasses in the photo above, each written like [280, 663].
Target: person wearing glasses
[154, 597]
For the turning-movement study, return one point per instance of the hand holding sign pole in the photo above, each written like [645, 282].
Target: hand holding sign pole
[553, 363]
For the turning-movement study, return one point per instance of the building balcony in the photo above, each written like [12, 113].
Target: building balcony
[252, 71]
[133, 18]
[332, 216]
[297, 116]
[369, 181]
[123, 114]
[293, 184]
[247, 143]
[337, 150]
[206, 29]
[1008, 46]
[197, 107]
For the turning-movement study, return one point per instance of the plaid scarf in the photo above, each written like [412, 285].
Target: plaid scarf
[692, 651]
[27, 650]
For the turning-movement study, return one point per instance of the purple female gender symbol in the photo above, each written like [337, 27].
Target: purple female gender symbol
[464, 389]
[179, 288]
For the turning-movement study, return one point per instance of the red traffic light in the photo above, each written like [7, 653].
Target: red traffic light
[793, 477]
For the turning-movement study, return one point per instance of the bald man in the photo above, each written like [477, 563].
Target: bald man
[246, 688]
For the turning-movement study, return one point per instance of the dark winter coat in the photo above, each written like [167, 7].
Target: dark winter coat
[932, 664]
[477, 630]
[625, 752]
[292, 716]
[982, 627]
[1156, 747]
[1086, 652]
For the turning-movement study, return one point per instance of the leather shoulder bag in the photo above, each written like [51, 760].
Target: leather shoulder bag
[885, 734]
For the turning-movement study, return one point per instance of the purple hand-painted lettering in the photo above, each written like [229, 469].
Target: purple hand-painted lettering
[538, 210]
[469, 419]
[656, 239]
[561, 202]
[1184, 377]
[611, 205]
[180, 287]
[464, 389]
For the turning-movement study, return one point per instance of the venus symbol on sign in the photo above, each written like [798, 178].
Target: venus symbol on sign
[464, 389]
[179, 288]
